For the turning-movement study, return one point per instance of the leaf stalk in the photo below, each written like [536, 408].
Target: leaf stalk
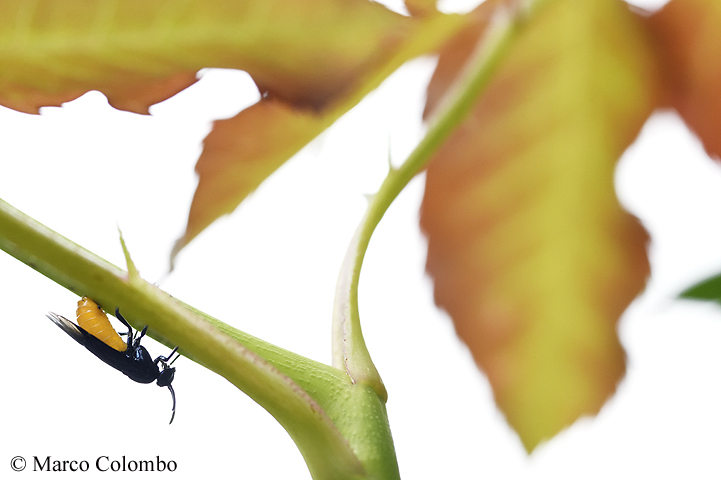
[349, 349]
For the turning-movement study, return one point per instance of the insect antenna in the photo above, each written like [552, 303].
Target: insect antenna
[172, 394]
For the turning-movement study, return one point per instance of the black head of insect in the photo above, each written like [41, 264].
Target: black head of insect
[134, 360]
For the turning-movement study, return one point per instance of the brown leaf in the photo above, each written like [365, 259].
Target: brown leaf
[689, 41]
[530, 252]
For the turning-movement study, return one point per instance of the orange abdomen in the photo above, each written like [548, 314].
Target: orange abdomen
[94, 321]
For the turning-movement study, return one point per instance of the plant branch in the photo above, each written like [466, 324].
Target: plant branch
[278, 380]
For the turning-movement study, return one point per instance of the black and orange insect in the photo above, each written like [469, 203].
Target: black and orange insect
[95, 333]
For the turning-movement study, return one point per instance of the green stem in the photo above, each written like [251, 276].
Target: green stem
[349, 349]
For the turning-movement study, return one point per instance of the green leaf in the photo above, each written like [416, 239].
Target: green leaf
[709, 289]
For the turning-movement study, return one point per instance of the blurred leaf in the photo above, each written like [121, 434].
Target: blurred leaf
[138, 52]
[689, 39]
[530, 252]
[709, 289]
[311, 60]
[240, 153]
[421, 8]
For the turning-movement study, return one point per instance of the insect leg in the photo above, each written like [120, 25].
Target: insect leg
[139, 337]
[176, 357]
[165, 359]
[125, 322]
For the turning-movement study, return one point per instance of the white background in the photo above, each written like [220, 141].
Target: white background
[270, 269]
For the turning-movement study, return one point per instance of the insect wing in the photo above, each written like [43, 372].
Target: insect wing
[68, 327]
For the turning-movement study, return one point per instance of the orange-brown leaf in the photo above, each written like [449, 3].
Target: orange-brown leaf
[421, 8]
[530, 252]
[241, 152]
[689, 41]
